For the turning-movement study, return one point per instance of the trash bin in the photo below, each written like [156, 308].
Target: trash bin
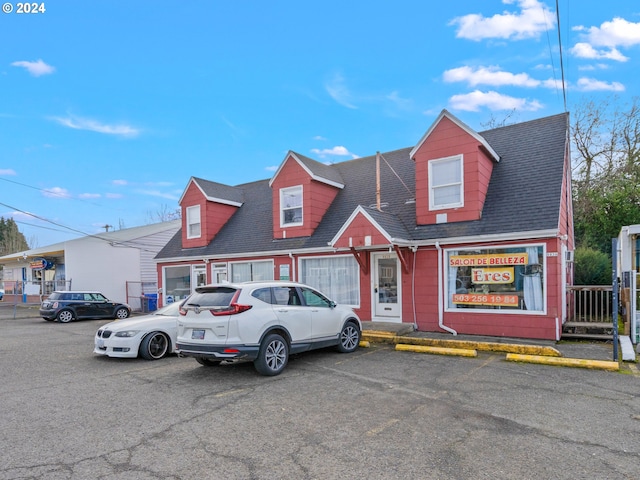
[152, 301]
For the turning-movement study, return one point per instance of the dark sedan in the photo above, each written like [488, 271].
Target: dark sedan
[67, 306]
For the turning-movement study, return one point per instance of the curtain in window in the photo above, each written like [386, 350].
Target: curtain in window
[533, 299]
[262, 271]
[241, 272]
[453, 276]
[336, 277]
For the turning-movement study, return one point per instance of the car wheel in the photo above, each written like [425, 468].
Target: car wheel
[154, 346]
[207, 362]
[349, 338]
[122, 313]
[65, 316]
[273, 355]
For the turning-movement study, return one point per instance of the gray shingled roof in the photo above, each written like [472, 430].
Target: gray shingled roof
[321, 170]
[524, 195]
[220, 190]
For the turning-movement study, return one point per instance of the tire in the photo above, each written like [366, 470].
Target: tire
[349, 338]
[154, 346]
[65, 316]
[273, 355]
[48, 319]
[122, 313]
[207, 362]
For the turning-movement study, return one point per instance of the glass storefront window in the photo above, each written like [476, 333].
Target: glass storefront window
[496, 279]
[177, 283]
[337, 277]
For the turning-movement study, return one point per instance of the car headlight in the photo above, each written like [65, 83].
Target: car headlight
[127, 333]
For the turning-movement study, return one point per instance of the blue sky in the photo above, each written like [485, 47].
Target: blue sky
[109, 107]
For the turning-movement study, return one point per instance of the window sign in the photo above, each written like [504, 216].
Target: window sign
[496, 279]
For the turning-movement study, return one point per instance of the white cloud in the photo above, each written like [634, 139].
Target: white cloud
[56, 192]
[398, 101]
[474, 101]
[616, 33]
[319, 137]
[492, 76]
[88, 196]
[36, 68]
[158, 193]
[337, 90]
[593, 85]
[337, 151]
[79, 123]
[272, 168]
[585, 50]
[7, 171]
[119, 182]
[531, 21]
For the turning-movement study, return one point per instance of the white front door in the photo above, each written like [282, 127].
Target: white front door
[386, 293]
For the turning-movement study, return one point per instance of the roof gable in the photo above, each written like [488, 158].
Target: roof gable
[316, 170]
[216, 192]
[485, 145]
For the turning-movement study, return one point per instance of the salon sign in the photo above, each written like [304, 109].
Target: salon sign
[488, 260]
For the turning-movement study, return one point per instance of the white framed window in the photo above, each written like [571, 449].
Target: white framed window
[291, 206]
[446, 183]
[338, 277]
[251, 271]
[497, 279]
[194, 229]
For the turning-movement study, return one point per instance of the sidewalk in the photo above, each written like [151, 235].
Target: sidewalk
[587, 354]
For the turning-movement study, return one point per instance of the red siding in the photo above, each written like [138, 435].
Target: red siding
[213, 216]
[448, 139]
[316, 199]
[357, 230]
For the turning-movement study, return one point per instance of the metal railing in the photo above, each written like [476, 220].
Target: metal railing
[590, 303]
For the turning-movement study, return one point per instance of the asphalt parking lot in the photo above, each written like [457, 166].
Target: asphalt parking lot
[376, 414]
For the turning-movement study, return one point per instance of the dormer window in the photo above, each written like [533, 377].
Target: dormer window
[446, 183]
[194, 228]
[291, 206]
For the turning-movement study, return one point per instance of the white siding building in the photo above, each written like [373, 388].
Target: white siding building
[120, 264]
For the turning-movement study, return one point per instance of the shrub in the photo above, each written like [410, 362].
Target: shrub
[591, 267]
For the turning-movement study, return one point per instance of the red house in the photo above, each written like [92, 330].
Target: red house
[465, 232]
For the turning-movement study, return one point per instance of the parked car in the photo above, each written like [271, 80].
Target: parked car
[151, 336]
[263, 322]
[1, 294]
[72, 305]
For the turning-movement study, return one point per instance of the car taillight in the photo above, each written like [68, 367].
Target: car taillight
[233, 309]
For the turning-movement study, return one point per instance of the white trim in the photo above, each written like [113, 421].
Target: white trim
[281, 194]
[306, 169]
[359, 209]
[460, 124]
[207, 197]
[189, 220]
[452, 158]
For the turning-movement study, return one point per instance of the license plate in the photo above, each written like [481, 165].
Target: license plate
[197, 335]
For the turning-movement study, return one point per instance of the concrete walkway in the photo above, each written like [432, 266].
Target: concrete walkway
[583, 354]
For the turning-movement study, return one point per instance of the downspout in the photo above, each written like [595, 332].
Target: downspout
[293, 268]
[414, 249]
[440, 294]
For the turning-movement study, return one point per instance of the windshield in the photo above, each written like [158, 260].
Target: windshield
[170, 310]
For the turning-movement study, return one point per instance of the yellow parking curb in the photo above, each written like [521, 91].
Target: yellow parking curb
[566, 362]
[364, 344]
[437, 350]
[389, 337]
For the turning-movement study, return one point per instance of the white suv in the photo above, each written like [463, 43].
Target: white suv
[263, 322]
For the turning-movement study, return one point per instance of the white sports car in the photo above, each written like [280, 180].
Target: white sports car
[151, 336]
